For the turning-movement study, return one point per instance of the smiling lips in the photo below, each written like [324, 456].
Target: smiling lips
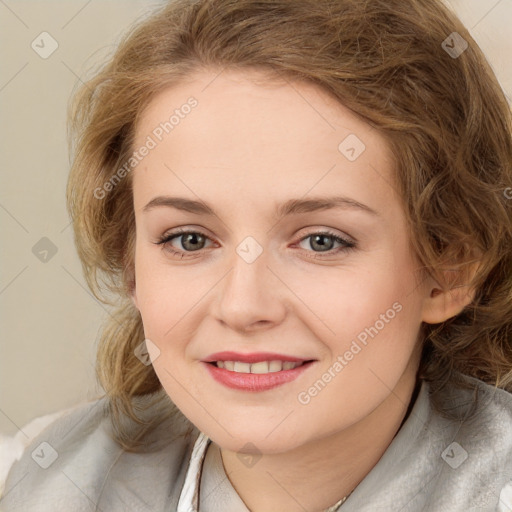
[254, 372]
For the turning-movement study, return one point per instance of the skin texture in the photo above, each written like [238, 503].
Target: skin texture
[244, 149]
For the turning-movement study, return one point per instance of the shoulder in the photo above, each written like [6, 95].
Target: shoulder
[476, 442]
[454, 452]
[479, 414]
[76, 463]
[480, 407]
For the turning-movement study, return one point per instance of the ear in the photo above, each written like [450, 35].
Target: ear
[444, 303]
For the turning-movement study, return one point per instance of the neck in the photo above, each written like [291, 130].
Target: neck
[316, 475]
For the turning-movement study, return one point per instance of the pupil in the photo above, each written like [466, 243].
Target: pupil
[321, 246]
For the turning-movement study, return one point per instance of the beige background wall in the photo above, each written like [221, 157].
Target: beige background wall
[48, 320]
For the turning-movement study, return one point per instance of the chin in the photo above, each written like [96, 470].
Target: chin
[255, 441]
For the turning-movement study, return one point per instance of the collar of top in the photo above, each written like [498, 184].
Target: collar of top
[189, 497]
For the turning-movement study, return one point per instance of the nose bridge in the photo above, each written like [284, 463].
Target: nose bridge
[249, 250]
[250, 293]
[248, 278]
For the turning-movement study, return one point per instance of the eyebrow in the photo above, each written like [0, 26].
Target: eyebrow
[290, 207]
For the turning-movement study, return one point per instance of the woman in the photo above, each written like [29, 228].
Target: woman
[291, 199]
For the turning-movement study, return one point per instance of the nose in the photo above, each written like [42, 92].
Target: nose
[251, 297]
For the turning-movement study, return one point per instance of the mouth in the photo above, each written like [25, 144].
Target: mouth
[261, 367]
[255, 372]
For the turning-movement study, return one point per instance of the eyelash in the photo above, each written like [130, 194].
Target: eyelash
[346, 247]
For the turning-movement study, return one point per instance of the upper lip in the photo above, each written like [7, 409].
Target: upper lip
[254, 357]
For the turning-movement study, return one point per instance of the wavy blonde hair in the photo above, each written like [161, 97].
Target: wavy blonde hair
[446, 119]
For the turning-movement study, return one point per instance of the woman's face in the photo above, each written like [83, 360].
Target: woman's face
[298, 254]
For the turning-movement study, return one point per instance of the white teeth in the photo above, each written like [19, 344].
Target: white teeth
[275, 366]
[242, 367]
[260, 367]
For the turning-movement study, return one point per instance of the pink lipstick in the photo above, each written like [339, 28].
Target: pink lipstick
[256, 371]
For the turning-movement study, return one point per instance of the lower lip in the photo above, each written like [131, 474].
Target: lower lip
[255, 381]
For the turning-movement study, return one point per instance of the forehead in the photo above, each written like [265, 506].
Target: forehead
[259, 137]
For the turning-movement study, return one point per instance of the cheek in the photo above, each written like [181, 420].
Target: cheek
[159, 296]
[346, 300]
[375, 328]
[172, 299]
[369, 317]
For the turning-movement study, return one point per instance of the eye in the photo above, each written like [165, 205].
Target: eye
[323, 242]
[190, 241]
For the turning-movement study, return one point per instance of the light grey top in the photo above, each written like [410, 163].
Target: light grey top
[433, 464]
